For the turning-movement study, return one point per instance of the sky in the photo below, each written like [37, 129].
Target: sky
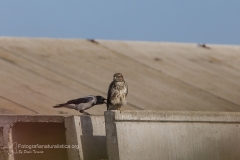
[187, 21]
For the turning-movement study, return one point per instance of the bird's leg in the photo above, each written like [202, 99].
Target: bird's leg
[82, 111]
[120, 109]
[86, 113]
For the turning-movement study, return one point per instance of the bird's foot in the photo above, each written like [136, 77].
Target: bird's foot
[120, 109]
[85, 113]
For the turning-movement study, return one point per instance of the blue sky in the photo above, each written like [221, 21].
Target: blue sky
[205, 21]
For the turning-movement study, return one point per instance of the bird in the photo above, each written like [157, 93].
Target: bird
[204, 46]
[83, 103]
[117, 93]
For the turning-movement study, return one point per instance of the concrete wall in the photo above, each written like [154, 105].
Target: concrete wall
[52, 137]
[88, 132]
[20, 130]
[157, 135]
[140, 135]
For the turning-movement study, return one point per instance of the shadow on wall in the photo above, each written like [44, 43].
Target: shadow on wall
[93, 146]
[39, 141]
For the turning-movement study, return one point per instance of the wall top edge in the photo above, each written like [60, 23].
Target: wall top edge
[173, 116]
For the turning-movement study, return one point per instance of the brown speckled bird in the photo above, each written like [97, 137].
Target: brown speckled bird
[117, 93]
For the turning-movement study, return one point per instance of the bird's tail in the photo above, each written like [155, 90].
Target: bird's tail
[60, 105]
[71, 106]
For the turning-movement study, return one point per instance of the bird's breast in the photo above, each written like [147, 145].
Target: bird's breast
[118, 94]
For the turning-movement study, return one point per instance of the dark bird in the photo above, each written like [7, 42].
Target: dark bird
[204, 46]
[83, 103]
[117, 93]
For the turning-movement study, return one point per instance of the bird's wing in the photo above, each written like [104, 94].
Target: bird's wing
[126, 89]
[109, 93]
[80, 100]
[84, 106]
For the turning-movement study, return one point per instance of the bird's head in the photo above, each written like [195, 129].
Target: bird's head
[101, 100]
[118, 77]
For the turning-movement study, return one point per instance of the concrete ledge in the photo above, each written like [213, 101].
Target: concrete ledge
[10, 119]
[175, 116]
[156, 135]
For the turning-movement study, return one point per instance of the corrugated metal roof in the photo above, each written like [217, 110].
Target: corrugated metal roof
[39, 73]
